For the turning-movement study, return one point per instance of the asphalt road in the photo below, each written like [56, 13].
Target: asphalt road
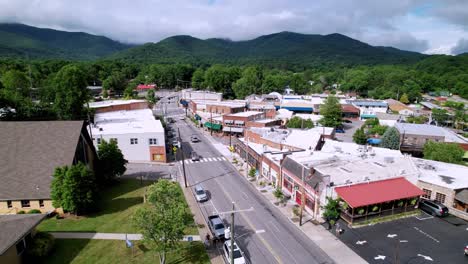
[263, 234]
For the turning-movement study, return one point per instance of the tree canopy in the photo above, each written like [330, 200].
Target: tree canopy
[111, 163]
[73, 188]
[297, 122]
[360, 137]
[445, 152]
[331, 112]
[163, 220]
[391, 139]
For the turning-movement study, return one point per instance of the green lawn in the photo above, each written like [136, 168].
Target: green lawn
[116, 206]
[79, 251]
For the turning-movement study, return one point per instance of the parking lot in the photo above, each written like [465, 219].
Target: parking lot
[349, 129]
[420, 239]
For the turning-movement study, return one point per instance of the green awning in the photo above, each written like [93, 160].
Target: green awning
[212, 126]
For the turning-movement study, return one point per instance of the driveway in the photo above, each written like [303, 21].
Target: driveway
[420, 239]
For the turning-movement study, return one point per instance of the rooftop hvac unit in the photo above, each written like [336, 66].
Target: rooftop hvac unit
[100, 129]
[388, 159]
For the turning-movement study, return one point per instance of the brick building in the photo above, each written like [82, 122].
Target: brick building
[118, 105]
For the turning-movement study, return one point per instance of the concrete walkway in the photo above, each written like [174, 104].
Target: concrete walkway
[328, 242]
[108, 236]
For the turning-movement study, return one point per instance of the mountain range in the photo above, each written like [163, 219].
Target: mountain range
[281, 49]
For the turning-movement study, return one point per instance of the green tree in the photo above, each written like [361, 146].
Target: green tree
[73, 188]
[70, 93]
[360, 137]
[17, 82]
[297, 122]
[331, 112]
[440, 115]
[404, 99]
[331, 211]
[163, 220]
[445, 152]
[115, 82]
[417, 119]
[111, 162]
[198, 78]
[377, 129]
[391, 139]
[150, 97]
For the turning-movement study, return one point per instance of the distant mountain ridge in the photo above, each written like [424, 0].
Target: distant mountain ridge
[274, 49]
[22, 41]
[281, 49]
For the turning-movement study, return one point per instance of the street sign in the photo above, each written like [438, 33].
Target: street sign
[174, 149]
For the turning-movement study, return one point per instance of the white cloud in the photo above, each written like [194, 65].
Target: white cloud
[387, 23]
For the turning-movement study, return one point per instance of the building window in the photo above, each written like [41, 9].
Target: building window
[427, 194]
[9, 204]
[98, 141]
[440, 197]
[133, 141]
[153, 141]
[115, 140]
[25, 203]
[41, 203]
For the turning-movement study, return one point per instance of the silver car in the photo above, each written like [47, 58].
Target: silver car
[200, 194]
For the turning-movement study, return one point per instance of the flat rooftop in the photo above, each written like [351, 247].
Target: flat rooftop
[126, 122]
[245, 114]
[113, 102]
[448, 175]
[430, 130]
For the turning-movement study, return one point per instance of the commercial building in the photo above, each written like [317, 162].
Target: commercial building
[189, 94]
[17, 233]
[349, 111]
[236, 123]
[399, 108]
[388, 119]
[29, 154]
[118, 105]
[138, 134]
[369, 108]
[225, 107]
[414, 136]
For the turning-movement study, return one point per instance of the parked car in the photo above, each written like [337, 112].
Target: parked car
[194, 139]
[238, 254]
[347, 121]
[433, 207]
[466, 250]
[339, 130]
[200, 194]
[216, 226]
[195, 156]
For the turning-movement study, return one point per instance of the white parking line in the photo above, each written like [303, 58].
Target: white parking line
[223, 158]
[424, 218]
[209, 159]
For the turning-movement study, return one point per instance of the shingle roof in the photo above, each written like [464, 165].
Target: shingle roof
[15, 227]
[29, 153]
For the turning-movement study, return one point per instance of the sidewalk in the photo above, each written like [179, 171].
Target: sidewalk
[330, 244]
[108, 236]
[214, 255]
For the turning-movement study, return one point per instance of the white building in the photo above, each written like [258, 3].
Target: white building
[190, 94]
[138, 134]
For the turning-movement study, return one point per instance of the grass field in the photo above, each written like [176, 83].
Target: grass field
[80, 251]
[116, 206]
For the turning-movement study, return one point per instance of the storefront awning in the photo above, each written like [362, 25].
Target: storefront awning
[233, 129]
[363, 194]
[365, 116]
[212, 126]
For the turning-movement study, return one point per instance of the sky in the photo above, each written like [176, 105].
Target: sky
[431, 26]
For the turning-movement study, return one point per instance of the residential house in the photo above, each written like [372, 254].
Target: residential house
[29, 154]
[17, 234]
[138, 134]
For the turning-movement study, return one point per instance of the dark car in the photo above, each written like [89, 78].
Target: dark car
[433, 207]
[339, 130]
[347, 121]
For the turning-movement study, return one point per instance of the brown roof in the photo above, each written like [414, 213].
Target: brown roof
[348, 108]
[29, 153]
[395, 105]
[15, 227]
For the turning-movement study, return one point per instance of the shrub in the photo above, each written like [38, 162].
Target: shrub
[413, 201]
[361, 211]
[262, 184]
[295, 210]
[278, 194]
[42, 244]
[332, 222]
[34, 211]
[21, 212]
[252, 172]
[375, 208]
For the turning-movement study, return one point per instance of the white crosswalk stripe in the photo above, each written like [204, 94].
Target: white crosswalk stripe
[210, 159]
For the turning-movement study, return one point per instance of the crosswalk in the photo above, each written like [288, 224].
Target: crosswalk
[211, 159]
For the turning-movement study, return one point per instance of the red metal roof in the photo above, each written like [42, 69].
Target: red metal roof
[349, 108]
[377, 192]
[146, 86]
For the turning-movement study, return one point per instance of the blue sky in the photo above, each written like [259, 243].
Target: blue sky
[434, 26]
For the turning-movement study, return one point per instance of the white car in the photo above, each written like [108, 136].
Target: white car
[238, 254]
[200, 194]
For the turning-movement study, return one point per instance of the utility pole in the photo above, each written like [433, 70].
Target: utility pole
[183, 158]
[211, 122]
[302, 197]
[232, 234]
[230, 136]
